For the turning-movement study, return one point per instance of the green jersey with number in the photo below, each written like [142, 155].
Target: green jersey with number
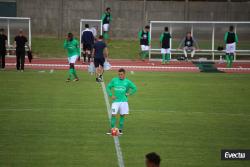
[121, 87]
[72, 47]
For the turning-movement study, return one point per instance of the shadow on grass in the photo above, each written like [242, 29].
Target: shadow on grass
[207, 67]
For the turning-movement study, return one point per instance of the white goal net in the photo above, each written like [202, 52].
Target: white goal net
[208, 34]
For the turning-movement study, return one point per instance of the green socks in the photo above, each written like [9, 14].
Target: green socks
[72, 73]
[144, 54]
[105, 35]
[113, 121]
[122, 118]
[168, 57]
[121, 123]
[165, 57]
[229, 59]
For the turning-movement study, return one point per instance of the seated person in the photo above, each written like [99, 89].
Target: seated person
[188, 44]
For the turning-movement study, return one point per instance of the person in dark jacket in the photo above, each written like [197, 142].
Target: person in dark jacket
[20, 43]
[87, 41]
[3, 46]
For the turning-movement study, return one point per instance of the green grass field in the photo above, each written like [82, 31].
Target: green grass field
[185, 117]
[45, 47]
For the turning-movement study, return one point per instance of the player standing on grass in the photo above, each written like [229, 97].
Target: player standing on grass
[165, 45]
[87, 43]
[72, 45]
[144, 38]
[188, 44]
[123, 88]
[100, 52]
[3, 46]
[106, 19]
[231, 39]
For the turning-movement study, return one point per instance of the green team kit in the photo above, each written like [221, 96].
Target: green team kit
[144, 38]
[165, 46]
[230, 39]
[121, 87]
[106, 19]
[73, 53]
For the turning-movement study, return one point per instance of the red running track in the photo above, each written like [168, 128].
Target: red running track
[131, 65]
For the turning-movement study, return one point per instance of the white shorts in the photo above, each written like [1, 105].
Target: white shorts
[144, 47]
[72, 59]
[105, 27]
[165, 51]
[188, 49]
[121, 107]
[230, 48]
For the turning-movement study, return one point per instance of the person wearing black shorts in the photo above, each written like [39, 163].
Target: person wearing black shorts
[100, 52]
[20, 42]
[3, 44]
[87, 43]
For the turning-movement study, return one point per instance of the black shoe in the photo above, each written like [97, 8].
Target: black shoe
[100, 79]
[120, 132]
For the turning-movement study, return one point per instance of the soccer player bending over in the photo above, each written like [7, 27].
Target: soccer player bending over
[153, 160]
[72, 45]
[144, 42]
[123, 88]
[87, 43]
[106, 19]
[188, 43]
[100, 52]
[230, 39]
[165, 45]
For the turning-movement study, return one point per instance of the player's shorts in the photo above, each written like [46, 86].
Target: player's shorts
[105, 27]
[121, 107]
[165, 51]
[87, 46]
[144, 48]
[230, 48]
[73, 59]
[99, 62]
[188, 49]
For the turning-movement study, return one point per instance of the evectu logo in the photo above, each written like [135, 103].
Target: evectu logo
[235, 154]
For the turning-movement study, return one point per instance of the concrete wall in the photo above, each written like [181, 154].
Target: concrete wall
[56, 17]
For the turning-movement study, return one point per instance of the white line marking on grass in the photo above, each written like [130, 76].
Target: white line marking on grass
[116, 139]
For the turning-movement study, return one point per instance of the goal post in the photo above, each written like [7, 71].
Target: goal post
[94, 25]
[12, 25]
[208, 34]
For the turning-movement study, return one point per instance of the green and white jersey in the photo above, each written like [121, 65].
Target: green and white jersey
[230, 37]
[106, 18]
[72, 47]
[121, 87]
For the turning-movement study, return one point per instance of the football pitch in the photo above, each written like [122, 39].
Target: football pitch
[185, 117]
